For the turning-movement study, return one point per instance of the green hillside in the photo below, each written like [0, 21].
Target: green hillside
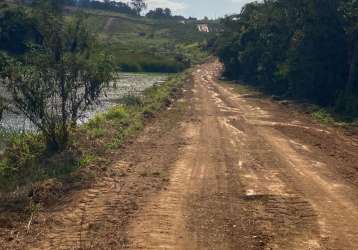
[143, 44]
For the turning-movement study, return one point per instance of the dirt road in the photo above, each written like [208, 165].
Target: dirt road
[242, 183]
[235, 172]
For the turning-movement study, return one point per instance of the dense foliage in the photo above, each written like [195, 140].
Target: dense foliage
[17, 26]
[160, 13]
[303, 49]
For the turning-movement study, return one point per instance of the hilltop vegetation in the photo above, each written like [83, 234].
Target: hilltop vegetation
[145, 44]
[302, 49]
[115, 6]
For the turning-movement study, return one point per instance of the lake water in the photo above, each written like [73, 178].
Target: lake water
[126, 84]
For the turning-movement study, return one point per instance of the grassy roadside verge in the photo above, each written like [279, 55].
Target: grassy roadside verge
[319, 114]
[28, 174]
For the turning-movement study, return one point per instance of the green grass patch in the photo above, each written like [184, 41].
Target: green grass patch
[20, 159]
[330, 116]
[25, 161]
[194, 52]
[117, 113]
[322, 115]
[86, 160]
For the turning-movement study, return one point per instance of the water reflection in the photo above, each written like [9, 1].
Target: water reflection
[126, 84]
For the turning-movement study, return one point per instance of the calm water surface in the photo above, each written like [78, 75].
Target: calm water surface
[126, 84]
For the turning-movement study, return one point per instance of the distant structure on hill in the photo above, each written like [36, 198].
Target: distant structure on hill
[203, 28]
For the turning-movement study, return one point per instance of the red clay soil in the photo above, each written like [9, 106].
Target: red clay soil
[219, 170]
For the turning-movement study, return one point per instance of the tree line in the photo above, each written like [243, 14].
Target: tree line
[134, 7]
[166, 13]
[104, 5]
[301, 49]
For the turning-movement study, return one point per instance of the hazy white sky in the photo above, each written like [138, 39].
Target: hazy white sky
[200, 8]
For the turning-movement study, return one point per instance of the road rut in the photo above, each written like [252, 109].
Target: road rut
[237, 171]
[241, 183]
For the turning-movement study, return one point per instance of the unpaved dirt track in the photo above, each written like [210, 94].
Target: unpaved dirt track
[240, 183]
[243, 173]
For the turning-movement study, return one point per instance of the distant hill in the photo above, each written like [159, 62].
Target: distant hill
[112, 25]
[144, 44]
[140, 43]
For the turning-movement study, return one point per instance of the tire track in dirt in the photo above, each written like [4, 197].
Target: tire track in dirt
[324, 199]
[237, 182]
[242, 184]
[97, 218]
[202, 204]
[162, 220]
[72, 224]
[278, 212]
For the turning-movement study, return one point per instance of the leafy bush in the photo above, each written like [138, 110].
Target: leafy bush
[18, 30]
[59, 79]
[21, 157]
[132, 100]
[322, 115]
[27, 162]
[95, 122]
[117, 113]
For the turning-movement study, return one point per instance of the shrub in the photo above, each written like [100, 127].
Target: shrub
[21, 157]
[58, 80]
[117, 113]
[322, 115]
[132, 100]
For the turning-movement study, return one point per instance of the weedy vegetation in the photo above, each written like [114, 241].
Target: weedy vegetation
[55, 72]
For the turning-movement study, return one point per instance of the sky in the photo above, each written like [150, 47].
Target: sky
[200, 8]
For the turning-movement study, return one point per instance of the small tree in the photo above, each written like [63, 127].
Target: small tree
[160, 13]
[138, 6]
[167, 12]
[58, 80]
